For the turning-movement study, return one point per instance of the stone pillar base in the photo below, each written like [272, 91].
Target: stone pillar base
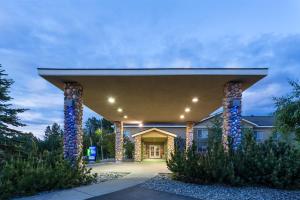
[138, 148]
[189, 135]
[73, 134]
[170, 146]
[119, 141]
[232, 106]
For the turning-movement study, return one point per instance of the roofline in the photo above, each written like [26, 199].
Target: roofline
[154, 129]
[149, 126]
[243, 119]
[207, 118]
[150, 71]
[265, 126]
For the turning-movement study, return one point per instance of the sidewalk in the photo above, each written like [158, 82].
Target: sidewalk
[139, 173]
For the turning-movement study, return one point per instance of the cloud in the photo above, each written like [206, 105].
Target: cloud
[38, 100]
[259, 101]
[56, 35]
[279, 53]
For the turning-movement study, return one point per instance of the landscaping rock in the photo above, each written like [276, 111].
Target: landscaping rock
[163, 182]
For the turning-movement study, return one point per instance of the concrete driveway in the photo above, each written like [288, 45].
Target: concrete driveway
[139, 173]
[138, 193]
[142, 169]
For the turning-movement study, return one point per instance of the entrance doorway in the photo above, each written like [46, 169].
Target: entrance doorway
[154, 151]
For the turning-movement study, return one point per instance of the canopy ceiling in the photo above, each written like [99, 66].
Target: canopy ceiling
[153, 95]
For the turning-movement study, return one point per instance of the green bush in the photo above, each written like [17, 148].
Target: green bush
[272, 163]
[20, 177]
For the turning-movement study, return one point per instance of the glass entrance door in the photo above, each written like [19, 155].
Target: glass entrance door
[154, 151]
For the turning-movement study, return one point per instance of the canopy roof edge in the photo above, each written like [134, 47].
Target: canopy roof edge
[150, 71]
[154, 129]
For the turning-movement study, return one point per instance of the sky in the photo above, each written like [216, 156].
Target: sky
[148, 33]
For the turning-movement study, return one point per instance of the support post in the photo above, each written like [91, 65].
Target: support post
[73, 134]
[138, 148]
[119, 141]
[189, 135]
[170, 144]
[232, 107]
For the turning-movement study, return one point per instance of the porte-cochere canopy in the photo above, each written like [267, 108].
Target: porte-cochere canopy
[151, 95]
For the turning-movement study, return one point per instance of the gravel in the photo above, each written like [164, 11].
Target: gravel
[107, 176]
[163, 182]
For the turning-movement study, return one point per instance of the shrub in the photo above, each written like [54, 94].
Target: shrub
[28, 176]
[272, 163]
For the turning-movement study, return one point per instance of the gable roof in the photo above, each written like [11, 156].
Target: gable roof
[261, 120]
[257, 121]
[154, 129]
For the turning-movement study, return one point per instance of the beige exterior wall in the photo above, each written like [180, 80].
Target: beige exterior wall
[267, 132]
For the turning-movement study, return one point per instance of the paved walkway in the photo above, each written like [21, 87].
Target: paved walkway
[139, 173]
[138, 193]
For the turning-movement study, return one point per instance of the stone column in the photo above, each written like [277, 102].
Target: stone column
[144, 151]
[138, 148]
[170, 146]
[119, 141]
[189, 135]
[232, 104]
[73, 133]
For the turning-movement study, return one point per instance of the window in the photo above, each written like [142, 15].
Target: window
[202, 133]
[259, 135]
[202, 136]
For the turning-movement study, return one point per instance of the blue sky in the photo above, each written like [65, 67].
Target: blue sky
[166, 33]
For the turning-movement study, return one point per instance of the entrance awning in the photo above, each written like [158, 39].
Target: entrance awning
[153, 95]
[152, 132]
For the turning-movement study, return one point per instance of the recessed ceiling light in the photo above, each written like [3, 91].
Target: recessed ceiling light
[187, 109]
[195, 100]
[111, 100]
[125, 117]
[120, 110]
[181, 116]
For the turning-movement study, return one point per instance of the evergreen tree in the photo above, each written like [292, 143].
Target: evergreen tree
[53, 140]
[288, 112]
[99, 133]
[9, 143]
[215, 133]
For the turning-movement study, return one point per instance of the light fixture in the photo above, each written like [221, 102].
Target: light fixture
[195, 100]
[120, 110]
[187, 109]
[111, 100]
[125, 117]
[140, 124]
[181, 116]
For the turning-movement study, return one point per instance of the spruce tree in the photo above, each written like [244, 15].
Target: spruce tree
[9, 143]
[53, 140]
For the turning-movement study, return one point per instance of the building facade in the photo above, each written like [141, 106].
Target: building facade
[154, 137]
